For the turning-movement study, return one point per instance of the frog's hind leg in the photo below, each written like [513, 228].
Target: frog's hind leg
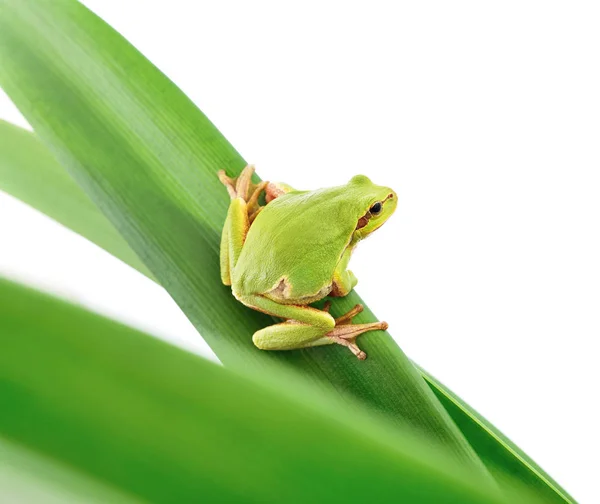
[295, 314]
[290, 335]
[307, 326]
[304, 326]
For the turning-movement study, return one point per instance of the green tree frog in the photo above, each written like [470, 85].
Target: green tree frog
[280, 257]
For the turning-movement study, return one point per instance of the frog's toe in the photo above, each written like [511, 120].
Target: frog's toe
[350, 344]
[276, 189]
[240, 186]
[228, 182]
[346, 333]
[347, 317]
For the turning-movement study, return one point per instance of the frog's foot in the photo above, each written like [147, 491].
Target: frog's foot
[238, 186]
[276, 189]
[242, 187]
[345, 333]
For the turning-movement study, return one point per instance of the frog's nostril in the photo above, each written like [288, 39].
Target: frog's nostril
[391, 196]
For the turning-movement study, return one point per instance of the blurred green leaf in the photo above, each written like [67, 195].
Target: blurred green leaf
[148, 158]
[155, 421]
[20, 172]
[28, 477]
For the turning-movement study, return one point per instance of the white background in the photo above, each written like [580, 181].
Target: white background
[485, 118]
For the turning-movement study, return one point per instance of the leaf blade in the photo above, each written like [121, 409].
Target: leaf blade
[28, 476]
[500, 455]
[30, 173]
[170, 426]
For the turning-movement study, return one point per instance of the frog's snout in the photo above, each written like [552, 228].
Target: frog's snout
[391, 201]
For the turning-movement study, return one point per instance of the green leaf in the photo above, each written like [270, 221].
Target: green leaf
[156, 422]
[30, 173]
[499, 454]
[148, 158]
[28, 476]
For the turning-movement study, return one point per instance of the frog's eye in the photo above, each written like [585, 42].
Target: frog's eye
[376, 208]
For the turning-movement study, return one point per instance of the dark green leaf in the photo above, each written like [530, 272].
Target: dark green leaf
[500, 455]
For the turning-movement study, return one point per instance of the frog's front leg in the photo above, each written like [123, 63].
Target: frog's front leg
[306, 327]
[343, 279]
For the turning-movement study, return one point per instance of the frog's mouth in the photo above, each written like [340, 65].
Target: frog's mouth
[363, 221]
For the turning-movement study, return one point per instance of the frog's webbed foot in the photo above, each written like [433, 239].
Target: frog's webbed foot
[243, 187]
[345, 333]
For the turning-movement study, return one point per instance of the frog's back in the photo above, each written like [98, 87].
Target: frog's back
[294, 245]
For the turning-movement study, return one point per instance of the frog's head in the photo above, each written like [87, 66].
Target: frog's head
[375, 204]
